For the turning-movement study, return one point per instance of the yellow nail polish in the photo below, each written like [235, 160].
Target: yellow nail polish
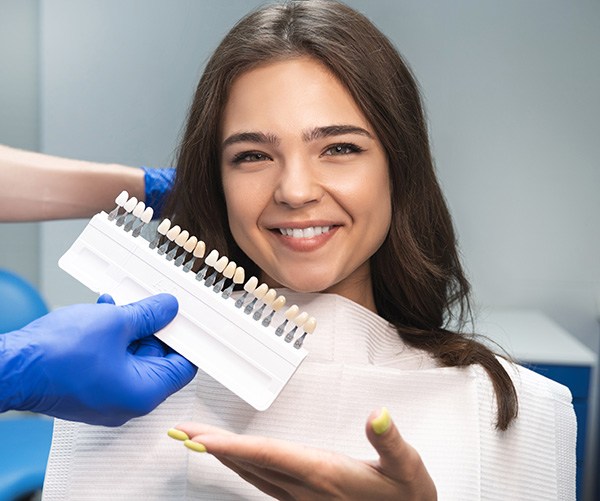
[382, 422]
[177, 434]
[195, 446]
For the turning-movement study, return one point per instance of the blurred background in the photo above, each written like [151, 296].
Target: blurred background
[510, 89]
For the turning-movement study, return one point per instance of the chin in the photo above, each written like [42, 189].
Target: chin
[308, 284]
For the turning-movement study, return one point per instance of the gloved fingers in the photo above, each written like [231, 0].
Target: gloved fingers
[105, 299]
[149, 315]
[181, 368]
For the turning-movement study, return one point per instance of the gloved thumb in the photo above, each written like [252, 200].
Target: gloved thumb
[105, 299]
[150, 315]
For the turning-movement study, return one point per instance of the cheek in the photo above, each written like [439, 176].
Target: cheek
[243, 200]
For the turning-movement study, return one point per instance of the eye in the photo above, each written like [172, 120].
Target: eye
[249, 156]
[342, 149]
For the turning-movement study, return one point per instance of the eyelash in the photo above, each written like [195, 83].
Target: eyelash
[339, 149]
[243, 157]
[333, 150]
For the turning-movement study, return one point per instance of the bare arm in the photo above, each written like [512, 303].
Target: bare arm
[35, 186]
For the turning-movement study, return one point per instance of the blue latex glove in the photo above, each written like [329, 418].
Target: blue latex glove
[76, 362]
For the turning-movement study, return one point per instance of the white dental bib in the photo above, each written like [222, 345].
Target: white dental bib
[356, 363]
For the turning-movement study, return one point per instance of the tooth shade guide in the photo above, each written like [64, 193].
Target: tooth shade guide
[205, 312]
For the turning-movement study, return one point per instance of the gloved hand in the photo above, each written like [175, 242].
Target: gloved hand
[76, 363]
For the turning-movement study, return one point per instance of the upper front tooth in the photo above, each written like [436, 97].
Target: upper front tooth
[309, 232]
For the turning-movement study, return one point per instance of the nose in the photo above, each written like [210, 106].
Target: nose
[298, 185]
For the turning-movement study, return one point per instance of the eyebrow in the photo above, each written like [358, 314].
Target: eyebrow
[307, 136]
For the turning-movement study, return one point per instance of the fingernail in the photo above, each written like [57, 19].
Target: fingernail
[195, 446]
[382, 422]
[177, 434]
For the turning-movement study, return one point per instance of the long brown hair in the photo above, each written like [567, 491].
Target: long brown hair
[419, 284]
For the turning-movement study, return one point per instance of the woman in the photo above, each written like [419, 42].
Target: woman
[306, 159]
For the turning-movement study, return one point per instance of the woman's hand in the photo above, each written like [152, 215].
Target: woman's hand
[290, 471]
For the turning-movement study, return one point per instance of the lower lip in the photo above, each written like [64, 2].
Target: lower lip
[305, 244]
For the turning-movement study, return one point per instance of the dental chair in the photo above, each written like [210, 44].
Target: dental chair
[25, 438]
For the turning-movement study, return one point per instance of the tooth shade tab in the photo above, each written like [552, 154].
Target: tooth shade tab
[139, 209]
[173, 233]
[212, 258]
[301, 319]
[239, 275]
[251, 284]
[310, 325]
[190, 244]
[278, 303]
[291, 312]
[146, 216]
[261, 291]
[130, 204]
[182, 238]
[200, 249]
[164, 226]
[122, 198]
[120, 201]
[269, 297]
[229, 269]
[221, 264]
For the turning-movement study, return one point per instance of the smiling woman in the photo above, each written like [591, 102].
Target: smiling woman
[313, 164]
[306, 159]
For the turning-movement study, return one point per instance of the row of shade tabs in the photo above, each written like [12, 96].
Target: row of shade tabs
[186, 250]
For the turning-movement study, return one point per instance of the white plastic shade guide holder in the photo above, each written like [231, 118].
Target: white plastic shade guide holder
[245, 352]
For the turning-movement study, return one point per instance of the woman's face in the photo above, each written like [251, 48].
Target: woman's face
[305, 178]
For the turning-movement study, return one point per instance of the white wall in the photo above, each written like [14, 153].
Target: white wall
[511, 90]
[19, 125]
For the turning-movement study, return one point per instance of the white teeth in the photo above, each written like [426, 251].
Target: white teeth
[309, 232]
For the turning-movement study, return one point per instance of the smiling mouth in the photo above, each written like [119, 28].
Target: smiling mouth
[310, 232]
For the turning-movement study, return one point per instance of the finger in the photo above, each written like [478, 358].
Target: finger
[194, 429]
[258, 481]
[277, 455]
[150, 315]
[179, 369]
[105, 299]
[397, 458]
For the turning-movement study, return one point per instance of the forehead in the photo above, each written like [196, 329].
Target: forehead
[291, 93]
